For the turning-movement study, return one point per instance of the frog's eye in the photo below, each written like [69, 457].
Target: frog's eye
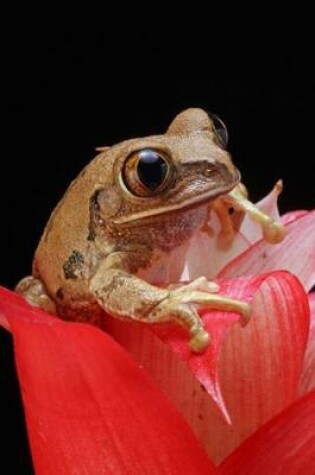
[220, 130]
[147, 172]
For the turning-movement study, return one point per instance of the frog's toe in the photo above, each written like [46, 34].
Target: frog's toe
[201, 283]
[200, 341]
[34, 292]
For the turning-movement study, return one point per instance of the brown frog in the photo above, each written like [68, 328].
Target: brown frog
[137, 203]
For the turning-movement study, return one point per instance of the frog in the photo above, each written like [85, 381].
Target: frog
[136, 204]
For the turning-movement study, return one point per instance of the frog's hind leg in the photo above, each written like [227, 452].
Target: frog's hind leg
[34, 292]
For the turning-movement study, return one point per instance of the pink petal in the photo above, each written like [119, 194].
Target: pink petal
[308, 373]
[295, 254]
[286, 445]
[205, 366]
[260, 365]
[253, 372]
[89, 408]
[268, 205]
[292, 216]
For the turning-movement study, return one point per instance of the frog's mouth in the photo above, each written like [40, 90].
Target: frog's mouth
[140, 217]
[235, 197]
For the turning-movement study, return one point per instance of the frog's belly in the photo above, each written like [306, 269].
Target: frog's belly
[165, 268]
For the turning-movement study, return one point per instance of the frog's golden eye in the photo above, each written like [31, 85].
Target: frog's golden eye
[147, 172]
[220, 130]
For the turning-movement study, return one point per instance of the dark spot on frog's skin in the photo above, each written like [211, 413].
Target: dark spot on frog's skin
[94, 215]
[91, 235]
[200, 416]
[72, 267]
[202, 388]
[59, 294]
[264, 255]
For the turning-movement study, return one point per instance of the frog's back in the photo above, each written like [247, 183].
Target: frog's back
[61, 259]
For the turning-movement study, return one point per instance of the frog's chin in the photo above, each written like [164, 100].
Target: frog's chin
[140, 217]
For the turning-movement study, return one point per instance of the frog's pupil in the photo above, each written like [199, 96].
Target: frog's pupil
[152, 168]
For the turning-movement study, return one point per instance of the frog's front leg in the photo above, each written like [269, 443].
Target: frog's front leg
[124, 295]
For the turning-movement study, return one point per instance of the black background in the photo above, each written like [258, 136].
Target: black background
[94, 75]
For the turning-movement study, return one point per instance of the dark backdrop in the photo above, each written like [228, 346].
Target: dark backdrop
[95, 75]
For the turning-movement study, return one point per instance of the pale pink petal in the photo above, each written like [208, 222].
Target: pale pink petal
[268, 205]
[286, 445]
[205, 256]
[308, 374]
[255, 371]
[295, 254]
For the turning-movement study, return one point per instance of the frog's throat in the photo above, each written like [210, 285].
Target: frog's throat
[170, 208]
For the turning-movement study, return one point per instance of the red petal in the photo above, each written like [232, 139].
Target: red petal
[13, 304]
[89, 408]
[286, 445]
[137, 339]
[4, 322]
[308, 374]
[257, 370]
[295, 254]
[260, 365]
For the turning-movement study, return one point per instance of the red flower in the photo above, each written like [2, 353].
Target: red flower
[92, 409]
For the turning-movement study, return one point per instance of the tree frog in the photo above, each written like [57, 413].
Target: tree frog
[106, 245]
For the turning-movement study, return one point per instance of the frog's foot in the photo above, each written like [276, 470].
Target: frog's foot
[179, 306]
[227, 230]
[127, 297]
[273, 231]
[34, 292]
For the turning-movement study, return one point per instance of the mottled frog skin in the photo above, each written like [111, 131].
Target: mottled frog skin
[108, 241]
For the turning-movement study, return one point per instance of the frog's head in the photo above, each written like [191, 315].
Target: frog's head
[183, 168]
